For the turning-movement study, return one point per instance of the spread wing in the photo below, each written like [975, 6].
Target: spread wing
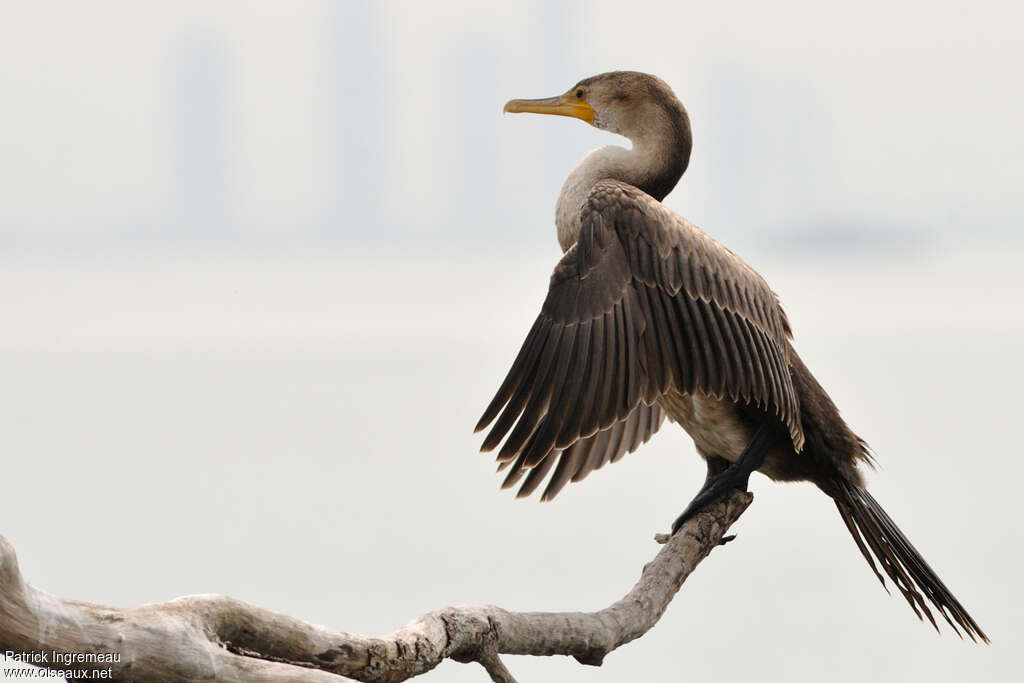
[644, 303]
[585, 455]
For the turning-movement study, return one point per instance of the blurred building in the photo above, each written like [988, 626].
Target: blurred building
[356, 96]
[201, 193]
[475, 102]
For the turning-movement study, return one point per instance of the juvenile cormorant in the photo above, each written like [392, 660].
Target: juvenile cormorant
[647, 316]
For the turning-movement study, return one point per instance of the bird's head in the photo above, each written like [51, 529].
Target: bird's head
[629, 103]
[638, 106]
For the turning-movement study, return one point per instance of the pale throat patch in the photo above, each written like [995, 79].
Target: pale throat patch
[604, 163]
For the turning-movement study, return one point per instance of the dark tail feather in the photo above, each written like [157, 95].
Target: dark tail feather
[878, 536]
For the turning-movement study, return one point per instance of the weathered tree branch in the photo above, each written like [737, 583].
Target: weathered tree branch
[217, 638]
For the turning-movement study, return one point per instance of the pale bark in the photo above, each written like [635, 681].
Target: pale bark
[217, 638]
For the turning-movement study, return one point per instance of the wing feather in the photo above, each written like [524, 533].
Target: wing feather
[705, 346]
[615, 391]
[592, 421]
[643, 304]
[539, 354]
[580, 399]
[554, 373]
[737, 384]
[523, 363]
[564, 395]
[585, 407]
[684, 362]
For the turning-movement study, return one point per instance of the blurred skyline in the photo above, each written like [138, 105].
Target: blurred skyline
[350, 124]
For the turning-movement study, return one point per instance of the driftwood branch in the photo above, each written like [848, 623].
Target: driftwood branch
[217, 638]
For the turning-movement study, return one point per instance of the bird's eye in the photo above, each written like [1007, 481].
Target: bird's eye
[579, 93]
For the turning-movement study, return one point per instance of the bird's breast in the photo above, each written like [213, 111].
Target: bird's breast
[715, 426]
[567, 210]
[603, 163]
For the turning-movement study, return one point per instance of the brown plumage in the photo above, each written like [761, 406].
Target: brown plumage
[647, 316]
[586, 454]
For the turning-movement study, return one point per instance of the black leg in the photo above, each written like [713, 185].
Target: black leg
[716, 466]
[734, 476]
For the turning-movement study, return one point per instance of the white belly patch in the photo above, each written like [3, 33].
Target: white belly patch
[711, 422]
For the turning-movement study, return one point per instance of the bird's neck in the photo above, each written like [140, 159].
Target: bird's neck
[655, 164]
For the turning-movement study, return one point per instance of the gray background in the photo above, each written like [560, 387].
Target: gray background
[262, 266]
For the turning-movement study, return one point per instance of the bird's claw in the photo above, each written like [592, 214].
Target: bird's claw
[732, 478]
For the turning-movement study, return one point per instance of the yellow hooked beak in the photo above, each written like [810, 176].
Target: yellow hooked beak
[562, 105]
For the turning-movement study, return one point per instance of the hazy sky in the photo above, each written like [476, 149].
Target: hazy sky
[887, 115]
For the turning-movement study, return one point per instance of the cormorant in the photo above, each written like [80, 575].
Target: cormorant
[647, 316]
